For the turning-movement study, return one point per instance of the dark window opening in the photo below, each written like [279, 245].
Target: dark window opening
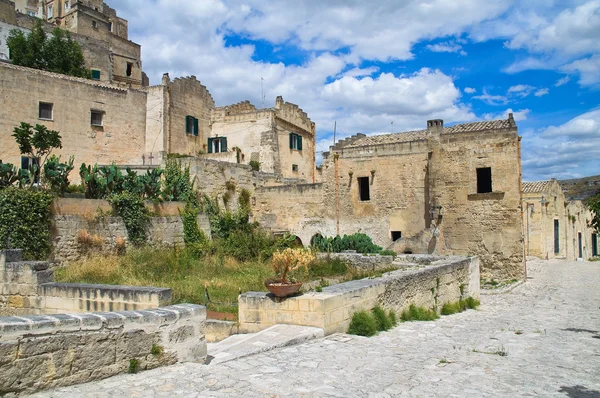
[46, 111]
[94, 24]
[96, 74]
[594, 245]
[556, 237]
[295, 168]
[295, 141]
[129, 68]
[396, 235]
[364, 190]
[217, 145]
[408, 251]
[110, 26]
[484, 180]
[191, 125]
[580, 241]
[96, 118]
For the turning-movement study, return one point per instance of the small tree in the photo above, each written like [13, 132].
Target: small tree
[594, 205]
[59, 53]
[36, 142]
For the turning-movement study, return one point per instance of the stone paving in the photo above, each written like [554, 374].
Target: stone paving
[541, 339]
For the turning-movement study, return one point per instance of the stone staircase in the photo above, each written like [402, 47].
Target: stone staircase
[243, 345]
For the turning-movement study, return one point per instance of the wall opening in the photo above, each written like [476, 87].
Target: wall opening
[484, 180]
[580, 244]
[129, 69]
[556, 237]
[364, 190]
[396, 235]
[594, 245]
[96, 118]
[407, 251]
[46, 111]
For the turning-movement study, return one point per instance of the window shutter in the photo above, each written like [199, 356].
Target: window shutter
[210, 146]
[196, 127]
[299, 142]
[224, 144]
[187, 125]
[291, 140]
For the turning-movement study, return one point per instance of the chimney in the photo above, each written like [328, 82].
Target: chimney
[435, 127]
[166, 79]
[279, 102]
[511, 120]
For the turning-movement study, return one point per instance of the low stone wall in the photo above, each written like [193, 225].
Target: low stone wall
[429, 286]
[361, 261]
[42, 352]
[27, 288]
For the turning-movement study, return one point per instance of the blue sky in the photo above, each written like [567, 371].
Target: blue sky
[390, 65]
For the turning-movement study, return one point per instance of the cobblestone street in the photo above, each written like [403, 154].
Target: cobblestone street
[541, 339]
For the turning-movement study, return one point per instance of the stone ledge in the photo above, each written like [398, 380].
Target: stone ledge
[44, 324]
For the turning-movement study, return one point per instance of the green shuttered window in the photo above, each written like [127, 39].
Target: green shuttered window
[295, 141]
[218, 144]
[191, 126]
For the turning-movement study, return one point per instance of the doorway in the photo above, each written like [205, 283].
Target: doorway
[594, 245]
[556, 237]
[579, 239]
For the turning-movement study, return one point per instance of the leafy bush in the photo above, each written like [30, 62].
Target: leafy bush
[178, 185]
[56, 174]
[383, 320]
[255, 165]
[360, 242]
[25, 221]
[135, 215]
[363, 323]
[415, 313]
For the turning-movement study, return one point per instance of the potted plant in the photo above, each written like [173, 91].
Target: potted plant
[287, 264]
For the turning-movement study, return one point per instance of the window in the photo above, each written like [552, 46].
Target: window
[396, 235]
[46, 111]
[110, 27]
[594, 245]
[295, 168]
[484, 180]
[96, 74]
[364, 190]
[67, 6]
[129, 68]
[32, 13]
[50, 13]
[28, 164]
[217, 144]
[191, 126]
[295, 141]
[556, 237]
[96, 117]
[94, 24]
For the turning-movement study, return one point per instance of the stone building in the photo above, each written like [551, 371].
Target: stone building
[554, 226]
[182, 119]
[453, 190]
[103, 36]
[98, 122]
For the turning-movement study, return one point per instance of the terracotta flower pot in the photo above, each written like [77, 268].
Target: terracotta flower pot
[279, 289]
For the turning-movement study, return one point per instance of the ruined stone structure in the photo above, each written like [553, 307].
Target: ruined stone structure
[98, 122]
[554, 226]
[103, 36]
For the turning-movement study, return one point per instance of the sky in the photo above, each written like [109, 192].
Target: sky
[387, 66]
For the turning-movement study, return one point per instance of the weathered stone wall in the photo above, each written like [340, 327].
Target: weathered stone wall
[332, 309]
[72, 216]
[363, 262]
[121, 139]
[39, 353]
[27, 288]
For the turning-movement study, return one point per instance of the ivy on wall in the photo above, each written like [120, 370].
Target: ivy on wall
[131, 208]
[25, 221]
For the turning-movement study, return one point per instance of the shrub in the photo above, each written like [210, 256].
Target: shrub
[135, 215]
[286, 262]
[255, 165]
[359, 242]
[178, 184]
[25, 221]
[244, 199]
[89, 240]
[327, 267]
[56, 174]
[393, 317]
[134, 366]
[8, 175]
[415, 313]
[383, 320]
[363, 323]
[388, 253]
[156, 349]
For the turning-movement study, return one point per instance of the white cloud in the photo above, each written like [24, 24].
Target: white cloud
[521, 90]
[470, 90]
[588, 69]
[491, 99]
[517, 115]
[446, 47]
[586, 126]
[541, 92]
[562, 81]
[358, 72]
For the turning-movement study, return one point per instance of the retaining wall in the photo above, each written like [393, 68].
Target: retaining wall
[41, 352]
[363, 262]
[431, 286]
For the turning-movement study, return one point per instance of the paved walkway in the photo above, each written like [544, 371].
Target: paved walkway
[542, 339]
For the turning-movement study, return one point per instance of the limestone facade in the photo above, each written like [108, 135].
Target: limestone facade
[118, 138]
[555, 227]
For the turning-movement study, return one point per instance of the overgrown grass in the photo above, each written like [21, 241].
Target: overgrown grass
[460, 306]
[415, 313]
[368, 324]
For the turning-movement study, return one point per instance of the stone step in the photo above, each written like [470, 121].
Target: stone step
[243, 345]
[13, 255]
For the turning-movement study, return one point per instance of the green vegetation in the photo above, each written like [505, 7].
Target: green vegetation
[255, 165]
[415, 313]
[135, 215]
[25, 221]
[58, 53]
[460, 306]
[156, 350]
[134, 366]
[594, 205]
[360, 242]
[368, 324]
[56, 174]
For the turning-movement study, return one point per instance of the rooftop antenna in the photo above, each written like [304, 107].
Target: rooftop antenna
[262, 92]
